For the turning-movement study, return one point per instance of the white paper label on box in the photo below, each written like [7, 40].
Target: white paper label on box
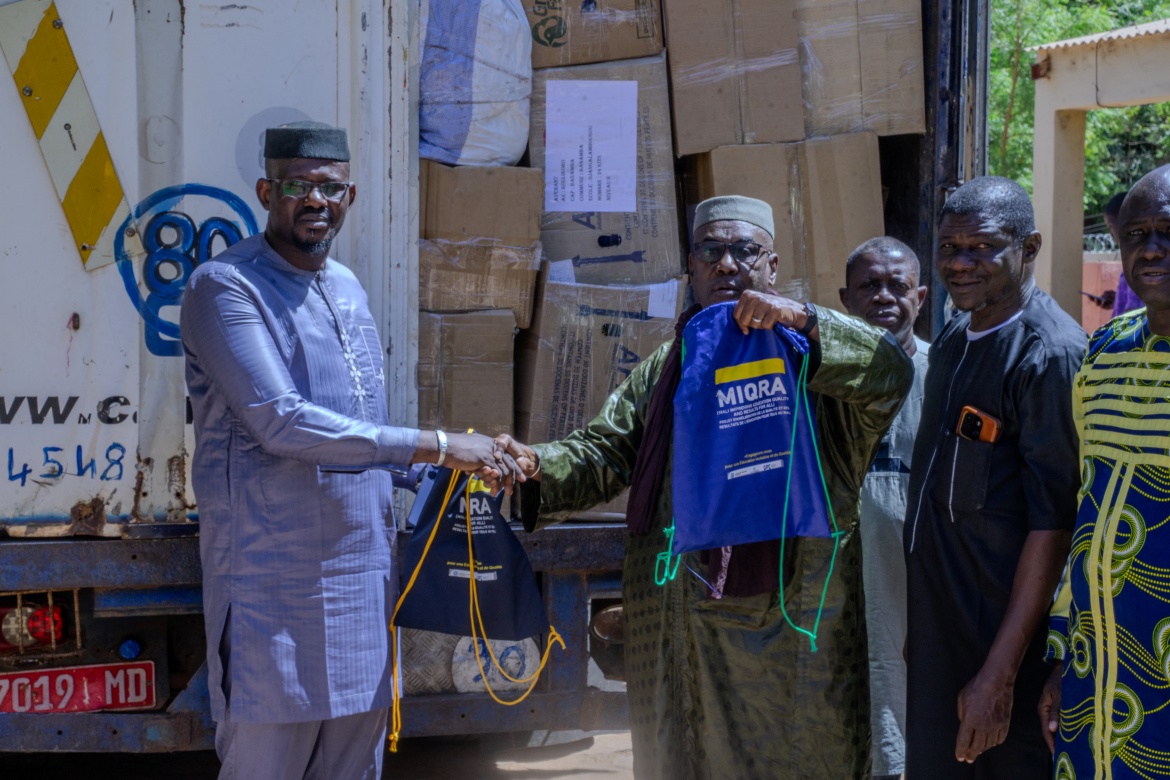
[663, 300]
[562, 271]
[591, 135]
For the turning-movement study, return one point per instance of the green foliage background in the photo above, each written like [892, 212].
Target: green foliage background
[1121, 144]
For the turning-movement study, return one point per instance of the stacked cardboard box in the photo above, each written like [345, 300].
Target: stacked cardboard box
[862, 66]
[746, 72]
[571, 32]
[584, 342]
[612, 290]
[735, 73]
[479, 257]
[596, 246]
[465, 370]
[761, 71]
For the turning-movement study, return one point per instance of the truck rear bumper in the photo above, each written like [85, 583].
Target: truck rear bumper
[577, 563]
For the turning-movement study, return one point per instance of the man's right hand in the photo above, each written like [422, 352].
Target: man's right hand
[1049, 706]
[473, 453]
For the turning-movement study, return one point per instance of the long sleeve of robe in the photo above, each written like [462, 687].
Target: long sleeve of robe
[973, 505]
[725, 688]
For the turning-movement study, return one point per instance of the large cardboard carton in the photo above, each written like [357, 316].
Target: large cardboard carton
[583, 343]
[892, 76]
[571, 32]
[481, 234]
[842, 188]
[476, 275]
[826, 199]
[734, 73]
[468, 202]
[862, 64]
[636, 247]
[465, 370]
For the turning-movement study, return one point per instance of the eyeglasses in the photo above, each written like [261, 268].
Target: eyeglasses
[295, 188]
[746, 253]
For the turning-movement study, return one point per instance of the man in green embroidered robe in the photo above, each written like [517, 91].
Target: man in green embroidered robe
[720, 686]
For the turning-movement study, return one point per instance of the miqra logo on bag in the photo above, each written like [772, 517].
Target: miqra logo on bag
[746, 388]
[479, 508]
[746, 393]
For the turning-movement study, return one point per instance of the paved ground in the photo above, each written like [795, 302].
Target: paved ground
[604, 756]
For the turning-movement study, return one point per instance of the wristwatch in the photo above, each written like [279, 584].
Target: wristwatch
[442, 437]
[810, 323]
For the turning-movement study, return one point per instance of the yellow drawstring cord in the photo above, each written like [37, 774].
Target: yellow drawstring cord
[395, 692]
[476, 618]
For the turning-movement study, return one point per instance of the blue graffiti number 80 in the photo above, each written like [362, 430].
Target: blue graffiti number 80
[169, 264]
[174, 247]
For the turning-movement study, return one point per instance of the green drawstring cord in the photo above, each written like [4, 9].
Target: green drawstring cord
[802, 396]
[664, 570]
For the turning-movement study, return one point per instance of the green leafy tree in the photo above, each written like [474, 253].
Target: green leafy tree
[1120, 144]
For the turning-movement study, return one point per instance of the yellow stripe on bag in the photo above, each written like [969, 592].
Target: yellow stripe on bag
[749, 370]
[34, 43]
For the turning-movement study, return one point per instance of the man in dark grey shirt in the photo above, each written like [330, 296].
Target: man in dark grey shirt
[993, 490]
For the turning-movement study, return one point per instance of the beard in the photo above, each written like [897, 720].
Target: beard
[314, 248]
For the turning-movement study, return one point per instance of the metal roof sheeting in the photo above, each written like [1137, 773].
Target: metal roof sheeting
[1160, 27]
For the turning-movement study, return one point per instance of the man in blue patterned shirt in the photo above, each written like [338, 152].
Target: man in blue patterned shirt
[284, 369]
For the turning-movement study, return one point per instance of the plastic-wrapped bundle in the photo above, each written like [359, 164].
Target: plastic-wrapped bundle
[475, 81]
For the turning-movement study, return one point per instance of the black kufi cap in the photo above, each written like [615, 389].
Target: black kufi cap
[315, 140]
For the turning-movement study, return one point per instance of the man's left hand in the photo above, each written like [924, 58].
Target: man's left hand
[985, 709]
[764, 311]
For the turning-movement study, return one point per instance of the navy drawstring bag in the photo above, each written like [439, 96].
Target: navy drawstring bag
[746, 465]
[468, 575]
[509, 597]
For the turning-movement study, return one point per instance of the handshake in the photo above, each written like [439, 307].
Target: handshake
[500, 462]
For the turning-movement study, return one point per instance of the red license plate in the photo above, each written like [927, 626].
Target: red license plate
[79, 688]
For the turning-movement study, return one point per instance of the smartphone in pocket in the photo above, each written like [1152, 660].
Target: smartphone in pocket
[977, 425]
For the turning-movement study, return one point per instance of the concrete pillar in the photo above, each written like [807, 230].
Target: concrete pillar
[1058, 186]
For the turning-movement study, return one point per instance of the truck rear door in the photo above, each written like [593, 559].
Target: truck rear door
[131, 134]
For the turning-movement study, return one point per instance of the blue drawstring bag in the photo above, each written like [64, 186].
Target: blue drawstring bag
[746, 466]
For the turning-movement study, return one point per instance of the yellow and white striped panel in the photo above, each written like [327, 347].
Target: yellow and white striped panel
[32, 37]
